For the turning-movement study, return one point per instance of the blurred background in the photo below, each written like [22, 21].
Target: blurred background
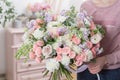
[22, 14]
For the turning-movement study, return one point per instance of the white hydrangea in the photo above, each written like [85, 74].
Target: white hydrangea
[96, 38]
[77, 49]
[61, 18]
[38, 34]
[65, 60]
[52, 64]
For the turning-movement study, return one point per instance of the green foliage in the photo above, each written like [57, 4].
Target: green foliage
[24, 50]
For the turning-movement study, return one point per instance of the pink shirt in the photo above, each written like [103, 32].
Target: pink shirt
[109, 17]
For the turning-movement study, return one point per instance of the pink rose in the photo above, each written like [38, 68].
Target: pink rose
[81, 57]
[79, 63]
[39, 21]
[59, 58]
[72, 54]
[94, 51]
[89, 44]
[38, 59]
[35, 46]
[59, 51]
[66, 50]
[40, 43]
[32, 55]
[38, 52]
[76, 40]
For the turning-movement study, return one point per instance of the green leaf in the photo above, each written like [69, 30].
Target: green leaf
[23, 50]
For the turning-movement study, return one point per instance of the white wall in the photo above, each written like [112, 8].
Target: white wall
[20, 7]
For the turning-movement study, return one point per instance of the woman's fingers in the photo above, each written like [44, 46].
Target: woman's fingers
[94, 69]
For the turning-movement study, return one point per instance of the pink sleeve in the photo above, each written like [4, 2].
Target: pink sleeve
[113, 58]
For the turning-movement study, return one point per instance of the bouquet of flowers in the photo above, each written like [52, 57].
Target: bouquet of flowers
[66, 39]
[7, 12]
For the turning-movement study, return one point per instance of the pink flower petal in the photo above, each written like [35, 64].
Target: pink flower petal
[89, 44]
[38, 52]
[59, 58]
[66, 50]
[59, 51]
[32, 55]
[72, 54]
[38, 59]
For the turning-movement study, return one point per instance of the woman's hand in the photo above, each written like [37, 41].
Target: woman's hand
[97, 66]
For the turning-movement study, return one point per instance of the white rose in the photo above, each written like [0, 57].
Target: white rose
[47, 50]
[52, 64]
[65, 60]
[77, 49]
[38, 34]
[96, 38]
[89, 55]
[61, 18]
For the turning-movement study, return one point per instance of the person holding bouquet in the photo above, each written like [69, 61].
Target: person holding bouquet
[107, 64]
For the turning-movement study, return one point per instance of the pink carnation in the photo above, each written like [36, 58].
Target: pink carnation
[38, 52]
[76, 40]
[32, 55]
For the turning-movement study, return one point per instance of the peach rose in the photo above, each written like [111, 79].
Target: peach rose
[32, 55]
[39, 21]
[76, 40]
